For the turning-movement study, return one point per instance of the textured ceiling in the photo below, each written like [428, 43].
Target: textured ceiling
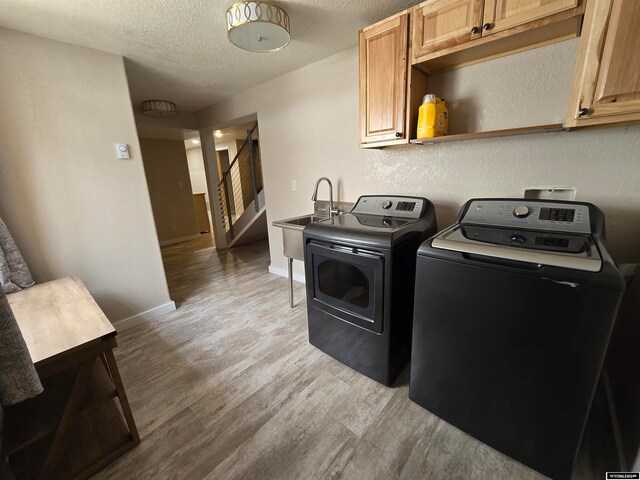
[178, 49]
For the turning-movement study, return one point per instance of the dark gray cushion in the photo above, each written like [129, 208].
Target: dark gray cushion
[14, 273]
[18, 377]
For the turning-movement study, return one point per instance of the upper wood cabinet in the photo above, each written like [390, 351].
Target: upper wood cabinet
[501, 15]
[473, 27]
[442, 23]
[383, 81]
[397, 55]
[607, 79]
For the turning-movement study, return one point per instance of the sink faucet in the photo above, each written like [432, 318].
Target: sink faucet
[314, 197]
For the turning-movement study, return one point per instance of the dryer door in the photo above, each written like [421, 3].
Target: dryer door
[348, 284]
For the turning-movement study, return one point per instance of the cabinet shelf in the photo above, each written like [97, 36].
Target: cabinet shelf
[509, 132]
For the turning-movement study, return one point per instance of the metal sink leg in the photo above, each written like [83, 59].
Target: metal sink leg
[290, 273]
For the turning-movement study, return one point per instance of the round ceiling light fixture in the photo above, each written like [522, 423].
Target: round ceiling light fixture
[159, 108]
[258, 26]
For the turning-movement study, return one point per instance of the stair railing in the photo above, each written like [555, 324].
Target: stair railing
[230, 189]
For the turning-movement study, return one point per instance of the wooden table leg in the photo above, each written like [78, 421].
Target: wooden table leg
[103, 360]
[124, 402]
[71, 408]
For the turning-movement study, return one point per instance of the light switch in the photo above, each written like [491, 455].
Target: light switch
[122, 150]
[294, 185]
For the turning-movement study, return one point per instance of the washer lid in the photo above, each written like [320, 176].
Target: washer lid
[573, 251]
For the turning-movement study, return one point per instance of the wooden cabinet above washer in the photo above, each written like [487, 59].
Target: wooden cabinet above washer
[383, 79]
[454, 33]
[440, 24]
[398, 54]
[501, 15]
[607, 78]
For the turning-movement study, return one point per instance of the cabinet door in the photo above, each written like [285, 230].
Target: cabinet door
[438, 24]
[383, 80]
[607, 79]
[500, 15]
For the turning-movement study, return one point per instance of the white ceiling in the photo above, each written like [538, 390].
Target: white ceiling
[177, 50]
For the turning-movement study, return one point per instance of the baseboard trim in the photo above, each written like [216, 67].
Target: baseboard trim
[142, 317]
[181, 239]
[283, 273]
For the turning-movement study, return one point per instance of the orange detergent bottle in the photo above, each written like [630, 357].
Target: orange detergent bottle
[433, 117]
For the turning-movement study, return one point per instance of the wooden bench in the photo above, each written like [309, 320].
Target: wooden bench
[74, 428]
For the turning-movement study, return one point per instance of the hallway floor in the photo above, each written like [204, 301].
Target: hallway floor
[228, 387]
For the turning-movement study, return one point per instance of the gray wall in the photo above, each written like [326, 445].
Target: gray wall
[309, 128]
[167, 172]
[73, 207]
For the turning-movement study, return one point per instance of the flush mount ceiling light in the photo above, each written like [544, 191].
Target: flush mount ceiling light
[159, 108]
[258, 26]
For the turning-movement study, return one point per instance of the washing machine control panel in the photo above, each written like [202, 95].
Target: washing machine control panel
[557, 217]
[390, 206]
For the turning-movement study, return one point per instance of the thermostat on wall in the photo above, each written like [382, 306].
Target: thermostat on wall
[122, 149]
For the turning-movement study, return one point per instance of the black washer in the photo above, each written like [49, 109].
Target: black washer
[509, 338]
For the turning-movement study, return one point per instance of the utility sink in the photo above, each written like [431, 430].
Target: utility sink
[292, 233]
[293, 245]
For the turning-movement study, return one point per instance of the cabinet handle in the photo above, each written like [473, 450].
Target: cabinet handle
[487, 26]
[398, 134]
[475, 30]
[583, 111]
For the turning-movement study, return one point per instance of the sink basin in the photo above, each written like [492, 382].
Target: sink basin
[293, 247]
[299, 222]
[292, 233]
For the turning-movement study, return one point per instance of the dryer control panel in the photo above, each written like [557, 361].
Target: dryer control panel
[526, 213]
[390, 206]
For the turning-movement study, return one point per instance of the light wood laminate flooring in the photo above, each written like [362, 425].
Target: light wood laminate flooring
[228, 387]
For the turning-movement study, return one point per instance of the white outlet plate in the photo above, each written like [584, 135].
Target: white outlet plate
[294, 185]
[551, 193]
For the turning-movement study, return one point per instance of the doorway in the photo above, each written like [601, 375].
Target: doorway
[177, 188]
[241, 216]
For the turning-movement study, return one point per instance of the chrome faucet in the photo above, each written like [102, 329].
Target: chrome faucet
[314, 197]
